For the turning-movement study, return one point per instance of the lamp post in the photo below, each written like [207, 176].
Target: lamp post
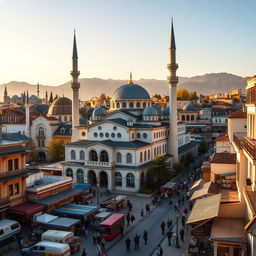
[177, 229]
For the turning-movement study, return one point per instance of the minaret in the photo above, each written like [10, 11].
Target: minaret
[5, 96]
[37, 90]
[46, 98]
[173, 80]
[75, 85]
[27, 105]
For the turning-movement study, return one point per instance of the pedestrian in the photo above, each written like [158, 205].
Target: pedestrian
[183, 219]
[142, 213]
[163, 227]
[145, 237]
[137, 242]
[128, 217]
[103, 244]
[147, 208]
[159, 250]
[98, 250]
[122, 231]
[132, 218]
[170, 203]
[84, 252]
[98, 237]
[128, 244]
[169, 237]
[94, 238]
[182, 235]
[185, 211]
[169, 223]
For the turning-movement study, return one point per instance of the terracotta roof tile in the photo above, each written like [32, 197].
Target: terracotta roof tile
[224, 158]
[238, 114]
[223, 138]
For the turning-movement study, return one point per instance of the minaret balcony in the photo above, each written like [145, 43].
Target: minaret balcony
[75, 73]
[172, 66]
[173, 80]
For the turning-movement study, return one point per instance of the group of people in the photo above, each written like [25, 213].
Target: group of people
[99, 242]
[136, 241]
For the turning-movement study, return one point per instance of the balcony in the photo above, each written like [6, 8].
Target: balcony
[40, 136]
[98, 164]
[251, 95]
[4, 202]
[238, 138]
[5, 176]
[250, 147]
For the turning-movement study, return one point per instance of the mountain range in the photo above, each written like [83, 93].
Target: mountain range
[93, 87]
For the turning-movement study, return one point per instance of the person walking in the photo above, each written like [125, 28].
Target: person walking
[163, 227]
[128, 217]
[137, 242]
[182, 235]
[84, 252]
[145, 237]
[169, 237]
[132, 218]
[128, 244]
[142, 213]
[169, 223]
[183, 219]
[159, 250]
[94, 238]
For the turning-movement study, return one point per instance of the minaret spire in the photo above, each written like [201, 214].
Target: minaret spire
[173, 81]
[75, 85]
[130, 82]
[37, 89]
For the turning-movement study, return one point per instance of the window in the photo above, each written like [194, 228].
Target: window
[145, 135]
[104, 156]
[119, 135]
[148, 154]
[65, 118]
[10, 166]
[117, 105]
[81, 155]
[138, 135]
[187, 117]
[83, 134]
[128, 158]
[118, 179]
[16, 164]
[114, 128]
[145, 155]
[16, 188]
[118, 157]
[42, 143]
[144, 104]
[132, 136]
[141, 157]
[80, 176]
[41, 132]
[99, 128]
[130, 180]
[192, 118]
[113, 135]
[154, 151]
[183, 118]
[62, 130]
[93, 155]
[138, 105]
[15, 226]
[130, 105]
[107, 134]
[73, 155]
[101, 134]
[10, 190]
[69, 173]
[95, 134]
[124, 105]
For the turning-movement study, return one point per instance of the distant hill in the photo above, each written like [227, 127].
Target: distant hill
[91, 87]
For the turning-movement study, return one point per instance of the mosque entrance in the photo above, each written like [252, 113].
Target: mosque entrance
[91, 177]
[103, 179]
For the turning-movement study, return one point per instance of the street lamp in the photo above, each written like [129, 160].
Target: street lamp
[177, 229]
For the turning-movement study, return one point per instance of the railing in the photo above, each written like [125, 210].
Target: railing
[40, 136]
[4, 201]
[13, 173]
[250, 147]
[97, 163]
[238, 138]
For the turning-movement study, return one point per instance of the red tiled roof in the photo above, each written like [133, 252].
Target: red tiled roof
[223, 138]
[250, 78]
[224, 158]
[26, 208]
[238, 114]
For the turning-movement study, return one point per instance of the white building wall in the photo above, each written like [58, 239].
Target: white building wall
[14, 128]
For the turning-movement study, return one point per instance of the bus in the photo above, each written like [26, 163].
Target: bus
[112, 226]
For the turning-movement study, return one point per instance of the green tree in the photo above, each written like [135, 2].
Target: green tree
[182, 94]
[56, 150]
[179, 167]
[159, 173]
[193, 95]
[187, 159]
[51, 98]
[203, 147]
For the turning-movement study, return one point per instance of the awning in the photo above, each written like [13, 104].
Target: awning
[169, 185]
[45, 218]
[61, 197]
[195, 126]
[26, 208]
[205, 189]
[196, 184]
[63, 223]
[204, 209]
[76, 210]
[228, 230]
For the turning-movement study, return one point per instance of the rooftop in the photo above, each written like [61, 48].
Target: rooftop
[238, 114]
[223, 138]
[224, 158]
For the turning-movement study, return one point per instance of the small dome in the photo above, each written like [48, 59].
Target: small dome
[130, 91]
[99, 112]
[189, 107]
[158, 108]
[166, 111]
[60, 106]
[150, 111]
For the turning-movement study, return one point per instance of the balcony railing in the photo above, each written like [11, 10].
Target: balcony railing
[9, 174]
[40, 136]
[238, 138]
[250, 146]
[97, 163]
[4, 201]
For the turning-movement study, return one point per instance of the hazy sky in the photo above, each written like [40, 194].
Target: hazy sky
[115, 37]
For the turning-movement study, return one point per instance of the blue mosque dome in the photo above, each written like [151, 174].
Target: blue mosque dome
[189, 107]
[101, 111]
[130, 91]
[151, 111]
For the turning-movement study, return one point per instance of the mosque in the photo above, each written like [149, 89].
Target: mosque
[118, 145]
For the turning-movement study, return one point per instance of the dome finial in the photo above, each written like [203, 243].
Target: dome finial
[130, 82]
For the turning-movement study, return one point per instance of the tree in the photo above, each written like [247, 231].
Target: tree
[159, 173]
[56, 150]
[51, 98]
[102, 97]
[182, 94]
[187, 159]
[179, 167]
[203, 147]
[193, 95]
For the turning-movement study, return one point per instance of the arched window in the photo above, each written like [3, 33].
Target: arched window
[148, 154]
[81, 155]
[192, 118]
[129, 158]
[73, 155]
[41, 132]
[93, 155]
[187, 118]
[130, 180]
[118, 157]
[154, 151]
[138, 104]
[103, 156]
[118, 179]
[130, 105]
[117, 105]
[80, 176]
[145, 155]
[69, 173]
[141, 157]
[144, 104]
[142, 179]
[124, 105]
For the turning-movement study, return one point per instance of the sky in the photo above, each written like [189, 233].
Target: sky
[115, 37]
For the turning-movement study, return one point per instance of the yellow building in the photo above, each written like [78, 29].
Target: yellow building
[13, 170]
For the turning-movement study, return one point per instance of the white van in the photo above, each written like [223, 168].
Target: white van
[9, 229]
[58, 236]
[47, 248]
